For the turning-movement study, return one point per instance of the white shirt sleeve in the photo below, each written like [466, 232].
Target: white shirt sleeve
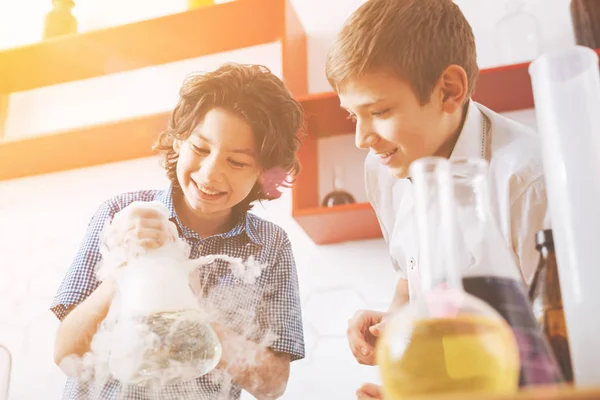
[528, 215]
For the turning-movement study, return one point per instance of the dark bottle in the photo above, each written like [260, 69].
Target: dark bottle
[59, 21]
[585, 15]
[546, 298]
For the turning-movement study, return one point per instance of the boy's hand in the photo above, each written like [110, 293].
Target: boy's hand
[369, 391]
[145, 224]
[363, 331]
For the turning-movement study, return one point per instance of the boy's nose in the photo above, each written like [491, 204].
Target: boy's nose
[211, 170]
[364, 136]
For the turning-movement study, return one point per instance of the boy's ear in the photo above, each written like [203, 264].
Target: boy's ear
[177, 146]
[454, 88]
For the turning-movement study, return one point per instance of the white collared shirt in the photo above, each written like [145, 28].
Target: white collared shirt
[517, 192]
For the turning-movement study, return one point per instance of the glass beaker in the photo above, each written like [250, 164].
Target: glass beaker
[161, 335]
[447, 340]
[490, 272]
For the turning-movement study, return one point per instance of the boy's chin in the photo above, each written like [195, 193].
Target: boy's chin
[400, 172]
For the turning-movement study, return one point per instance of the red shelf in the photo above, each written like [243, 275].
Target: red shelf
[158, 41]
[503, 89]
[324, 225]
[82, 147]
[506, 88]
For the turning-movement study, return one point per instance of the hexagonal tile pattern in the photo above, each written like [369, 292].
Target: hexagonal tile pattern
[328, 309]
[311, 338]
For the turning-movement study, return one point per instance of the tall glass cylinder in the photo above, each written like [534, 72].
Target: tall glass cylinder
[566, 89]
[5, 369]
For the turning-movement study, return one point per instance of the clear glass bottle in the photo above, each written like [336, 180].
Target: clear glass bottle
[490, 272]
[447, 340]
[60, 21]
[545, 295]
[339, 195]
[517, 36]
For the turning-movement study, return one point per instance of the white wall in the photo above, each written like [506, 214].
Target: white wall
[43, 218]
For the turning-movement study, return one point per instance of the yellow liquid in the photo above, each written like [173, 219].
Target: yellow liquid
[463, 354]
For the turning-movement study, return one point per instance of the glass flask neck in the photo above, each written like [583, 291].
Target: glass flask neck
[339, 178]
[435, 223]
[514, 6]
[471, 190]
[482, 249]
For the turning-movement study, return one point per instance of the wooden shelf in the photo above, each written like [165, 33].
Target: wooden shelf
[324, 225]
[195, 33]
[176, 37]
[100, 144]
[171, 38]
[506, 88]
[561, 392]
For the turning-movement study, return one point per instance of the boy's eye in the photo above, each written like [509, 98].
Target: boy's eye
[199, 150]
[236, 164]
[380, 113]
[351, 117]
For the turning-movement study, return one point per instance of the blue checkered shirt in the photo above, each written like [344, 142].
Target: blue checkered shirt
[273, 303]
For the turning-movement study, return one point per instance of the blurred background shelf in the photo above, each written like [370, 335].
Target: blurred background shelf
[505, 88]
[192, 34]
[171, 38]
[324, 225]
[152, 42]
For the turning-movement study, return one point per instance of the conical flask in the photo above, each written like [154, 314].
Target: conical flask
[517, 35]
[446, 340]
[155, 333]
[490, 272]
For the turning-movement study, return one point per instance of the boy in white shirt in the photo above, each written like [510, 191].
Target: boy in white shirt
[405, 71]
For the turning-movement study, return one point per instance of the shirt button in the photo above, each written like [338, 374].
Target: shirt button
[412, 262]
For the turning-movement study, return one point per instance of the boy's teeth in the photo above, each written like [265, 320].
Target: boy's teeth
[208, 191]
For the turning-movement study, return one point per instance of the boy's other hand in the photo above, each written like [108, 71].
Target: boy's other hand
[363, 331]
[369, 391]
[145, 224]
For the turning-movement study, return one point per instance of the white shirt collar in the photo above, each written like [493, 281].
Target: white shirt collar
[470, 140]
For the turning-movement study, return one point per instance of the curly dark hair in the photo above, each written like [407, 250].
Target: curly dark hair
[262, 100]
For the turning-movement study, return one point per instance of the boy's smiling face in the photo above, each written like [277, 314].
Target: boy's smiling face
[392, 123]
[218, 164]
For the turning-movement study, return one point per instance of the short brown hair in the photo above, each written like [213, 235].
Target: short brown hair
[417, 39]
[262, 100]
